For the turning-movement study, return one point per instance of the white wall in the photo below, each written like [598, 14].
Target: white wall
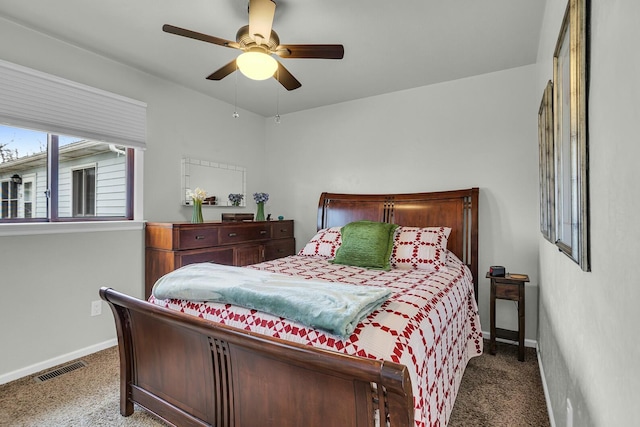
[480, 131]
[48, 281]
[588, 321]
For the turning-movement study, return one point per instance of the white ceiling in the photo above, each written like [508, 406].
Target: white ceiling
[389, 45]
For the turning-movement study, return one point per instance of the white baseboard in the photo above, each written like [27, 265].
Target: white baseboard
[46, 364]
[547, 399]
[527, 342]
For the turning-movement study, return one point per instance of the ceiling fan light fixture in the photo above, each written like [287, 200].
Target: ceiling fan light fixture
[257, 65]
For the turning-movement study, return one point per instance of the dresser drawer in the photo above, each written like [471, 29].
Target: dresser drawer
[281, 229]
[510, 292]
[279, 248]
[219, 256]
[199, 237]
[244, 233]
[247, 255]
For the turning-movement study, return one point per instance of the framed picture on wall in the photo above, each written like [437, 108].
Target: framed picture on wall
[570, 62]
[547, 164]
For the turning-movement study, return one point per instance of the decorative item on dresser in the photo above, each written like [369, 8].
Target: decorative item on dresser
[173, 245]
[197, 196]
[196, 214]
[237, 217]
[260, 199]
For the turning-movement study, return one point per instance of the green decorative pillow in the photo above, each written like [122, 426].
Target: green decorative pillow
[366, 244]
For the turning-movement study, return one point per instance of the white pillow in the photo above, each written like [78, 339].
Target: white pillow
[325, 243]
[420, 248]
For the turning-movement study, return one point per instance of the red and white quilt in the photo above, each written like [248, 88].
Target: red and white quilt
[430, 324]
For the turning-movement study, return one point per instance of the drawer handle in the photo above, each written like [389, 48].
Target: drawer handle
[280, 251]
[233, 234]
[200, 237]
[283, 230]
[263, 231]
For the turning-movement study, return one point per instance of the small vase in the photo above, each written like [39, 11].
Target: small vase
[260, 213]
[196, 216]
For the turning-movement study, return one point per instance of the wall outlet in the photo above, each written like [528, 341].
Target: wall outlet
[96, 308]
[569, 413]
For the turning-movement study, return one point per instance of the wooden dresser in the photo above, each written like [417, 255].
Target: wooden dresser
[173, 245]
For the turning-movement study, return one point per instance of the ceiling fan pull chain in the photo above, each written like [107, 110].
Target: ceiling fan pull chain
[235, 114]
[277, 118]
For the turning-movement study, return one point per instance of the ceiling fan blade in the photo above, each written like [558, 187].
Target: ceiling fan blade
[286, 79]
[261, 14]
[224, 71]
[199, 36]
[320, 51]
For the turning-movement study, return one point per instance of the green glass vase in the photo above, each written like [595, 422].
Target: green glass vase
[260, 212]
[196, 216]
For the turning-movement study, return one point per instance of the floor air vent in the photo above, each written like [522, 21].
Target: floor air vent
[60, 371]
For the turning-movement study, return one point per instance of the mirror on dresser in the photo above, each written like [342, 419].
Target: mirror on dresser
[217, 179]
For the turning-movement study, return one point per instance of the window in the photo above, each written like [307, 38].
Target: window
[84, 191]
[27, 198]
[66, 149]
[9, 199]
[91, 178]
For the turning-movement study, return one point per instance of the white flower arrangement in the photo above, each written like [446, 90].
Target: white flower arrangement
[197, 195]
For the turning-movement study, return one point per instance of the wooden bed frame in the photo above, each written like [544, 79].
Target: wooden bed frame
[193, 372]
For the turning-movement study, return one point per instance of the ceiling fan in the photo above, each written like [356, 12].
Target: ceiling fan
[259, 42]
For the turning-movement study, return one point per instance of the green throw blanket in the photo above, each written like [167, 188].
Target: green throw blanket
[334, 307]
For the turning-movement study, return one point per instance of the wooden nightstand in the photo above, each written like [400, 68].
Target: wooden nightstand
[510, 287]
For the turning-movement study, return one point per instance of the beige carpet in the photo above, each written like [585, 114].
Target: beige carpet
[85, 397]
[501, 391]
[495, 391]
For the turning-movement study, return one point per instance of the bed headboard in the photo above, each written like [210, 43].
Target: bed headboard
[455, 209]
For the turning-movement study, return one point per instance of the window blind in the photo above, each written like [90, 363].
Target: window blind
[40, 101]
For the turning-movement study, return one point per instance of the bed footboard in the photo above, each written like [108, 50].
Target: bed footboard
[193, 372]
